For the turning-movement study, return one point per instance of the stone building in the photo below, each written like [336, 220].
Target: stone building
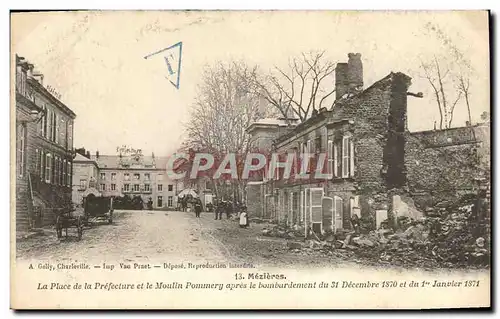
[85, 175]
[132, 175]
[374, 162]
[44, 149]
[445, 164]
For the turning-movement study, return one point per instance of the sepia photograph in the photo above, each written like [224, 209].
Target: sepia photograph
[338, 158]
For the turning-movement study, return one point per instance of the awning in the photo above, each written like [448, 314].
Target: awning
[187, 191]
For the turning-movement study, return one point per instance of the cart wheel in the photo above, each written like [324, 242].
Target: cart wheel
[59, 227]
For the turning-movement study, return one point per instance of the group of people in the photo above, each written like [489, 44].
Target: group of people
[220, 208]
[228, 208]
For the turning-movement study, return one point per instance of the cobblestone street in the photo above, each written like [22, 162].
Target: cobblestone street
[147, 236]
[134, 236]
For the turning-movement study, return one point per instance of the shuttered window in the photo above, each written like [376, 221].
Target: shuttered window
[330, 168]
[48, 167]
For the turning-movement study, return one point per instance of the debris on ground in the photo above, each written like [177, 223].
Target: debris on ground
[448, 236]
[282, 232]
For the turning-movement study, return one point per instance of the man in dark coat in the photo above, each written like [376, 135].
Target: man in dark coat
[197, 208]
[218, 210]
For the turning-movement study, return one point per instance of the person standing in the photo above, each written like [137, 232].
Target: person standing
[229, 210]
[218, 210]
[197, 208]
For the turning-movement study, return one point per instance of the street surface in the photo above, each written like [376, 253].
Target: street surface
[161, 236]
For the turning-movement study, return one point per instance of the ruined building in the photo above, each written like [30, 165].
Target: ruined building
[365, 137]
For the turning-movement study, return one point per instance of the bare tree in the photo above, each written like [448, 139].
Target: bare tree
[464, 88]
[449, 76]
[438, 77]
[225, 105]
[300, 88]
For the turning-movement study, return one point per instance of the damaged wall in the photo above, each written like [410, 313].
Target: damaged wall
[379, 115]
[443, 164]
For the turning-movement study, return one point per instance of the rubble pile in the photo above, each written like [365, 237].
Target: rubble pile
[451, 237]
[282, 231]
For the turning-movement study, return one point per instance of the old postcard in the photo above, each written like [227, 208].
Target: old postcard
[250, 160]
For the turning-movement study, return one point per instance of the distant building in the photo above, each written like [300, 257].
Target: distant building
[131, 175]
[85, 175]
[44, 144]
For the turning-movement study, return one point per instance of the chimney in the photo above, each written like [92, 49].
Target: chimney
[97, 154]
[355, 72]
[340, 80]
[38, 77]
[349, 76]
[88, 154]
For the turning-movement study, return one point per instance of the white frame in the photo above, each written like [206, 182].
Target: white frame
[311, 190]
[335, 199]
[48, 167]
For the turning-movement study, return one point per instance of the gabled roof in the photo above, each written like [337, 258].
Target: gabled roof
[80, 158]
[145, 162]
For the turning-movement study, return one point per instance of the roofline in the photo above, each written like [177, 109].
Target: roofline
[448, 129]
[40, 88]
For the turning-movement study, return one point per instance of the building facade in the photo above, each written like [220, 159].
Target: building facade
[376, 166]
[131, 175]
[44, 144]
[85, 175]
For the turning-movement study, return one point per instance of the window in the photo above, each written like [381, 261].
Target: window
[83, 184]
[147, 176]
[37, 161]
[317, 146]
[160, 187]
[146, 188]
[170, 201]
[48, 122]
[66, 135]
[160, 177]
[126, 187]
[56, 129]
[103, 176]
[70, 173]
[136, 187]
[170, 187]
[159, 201]
[330, 157]
[103, 187]
[126, 176]
[52, 136]
[44, 122]
[113, 187]
[21, 149]
[337, 155]
[48, 167]
[347, 157]
[62, 180]
[70, 135]
[137, 177]
[113, 176]
[42, 167]
[56, 170]
[64, 170]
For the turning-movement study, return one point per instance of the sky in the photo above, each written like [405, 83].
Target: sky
[95, 60]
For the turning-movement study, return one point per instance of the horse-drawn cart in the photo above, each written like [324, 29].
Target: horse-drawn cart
[98, 208]
[66, 219]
